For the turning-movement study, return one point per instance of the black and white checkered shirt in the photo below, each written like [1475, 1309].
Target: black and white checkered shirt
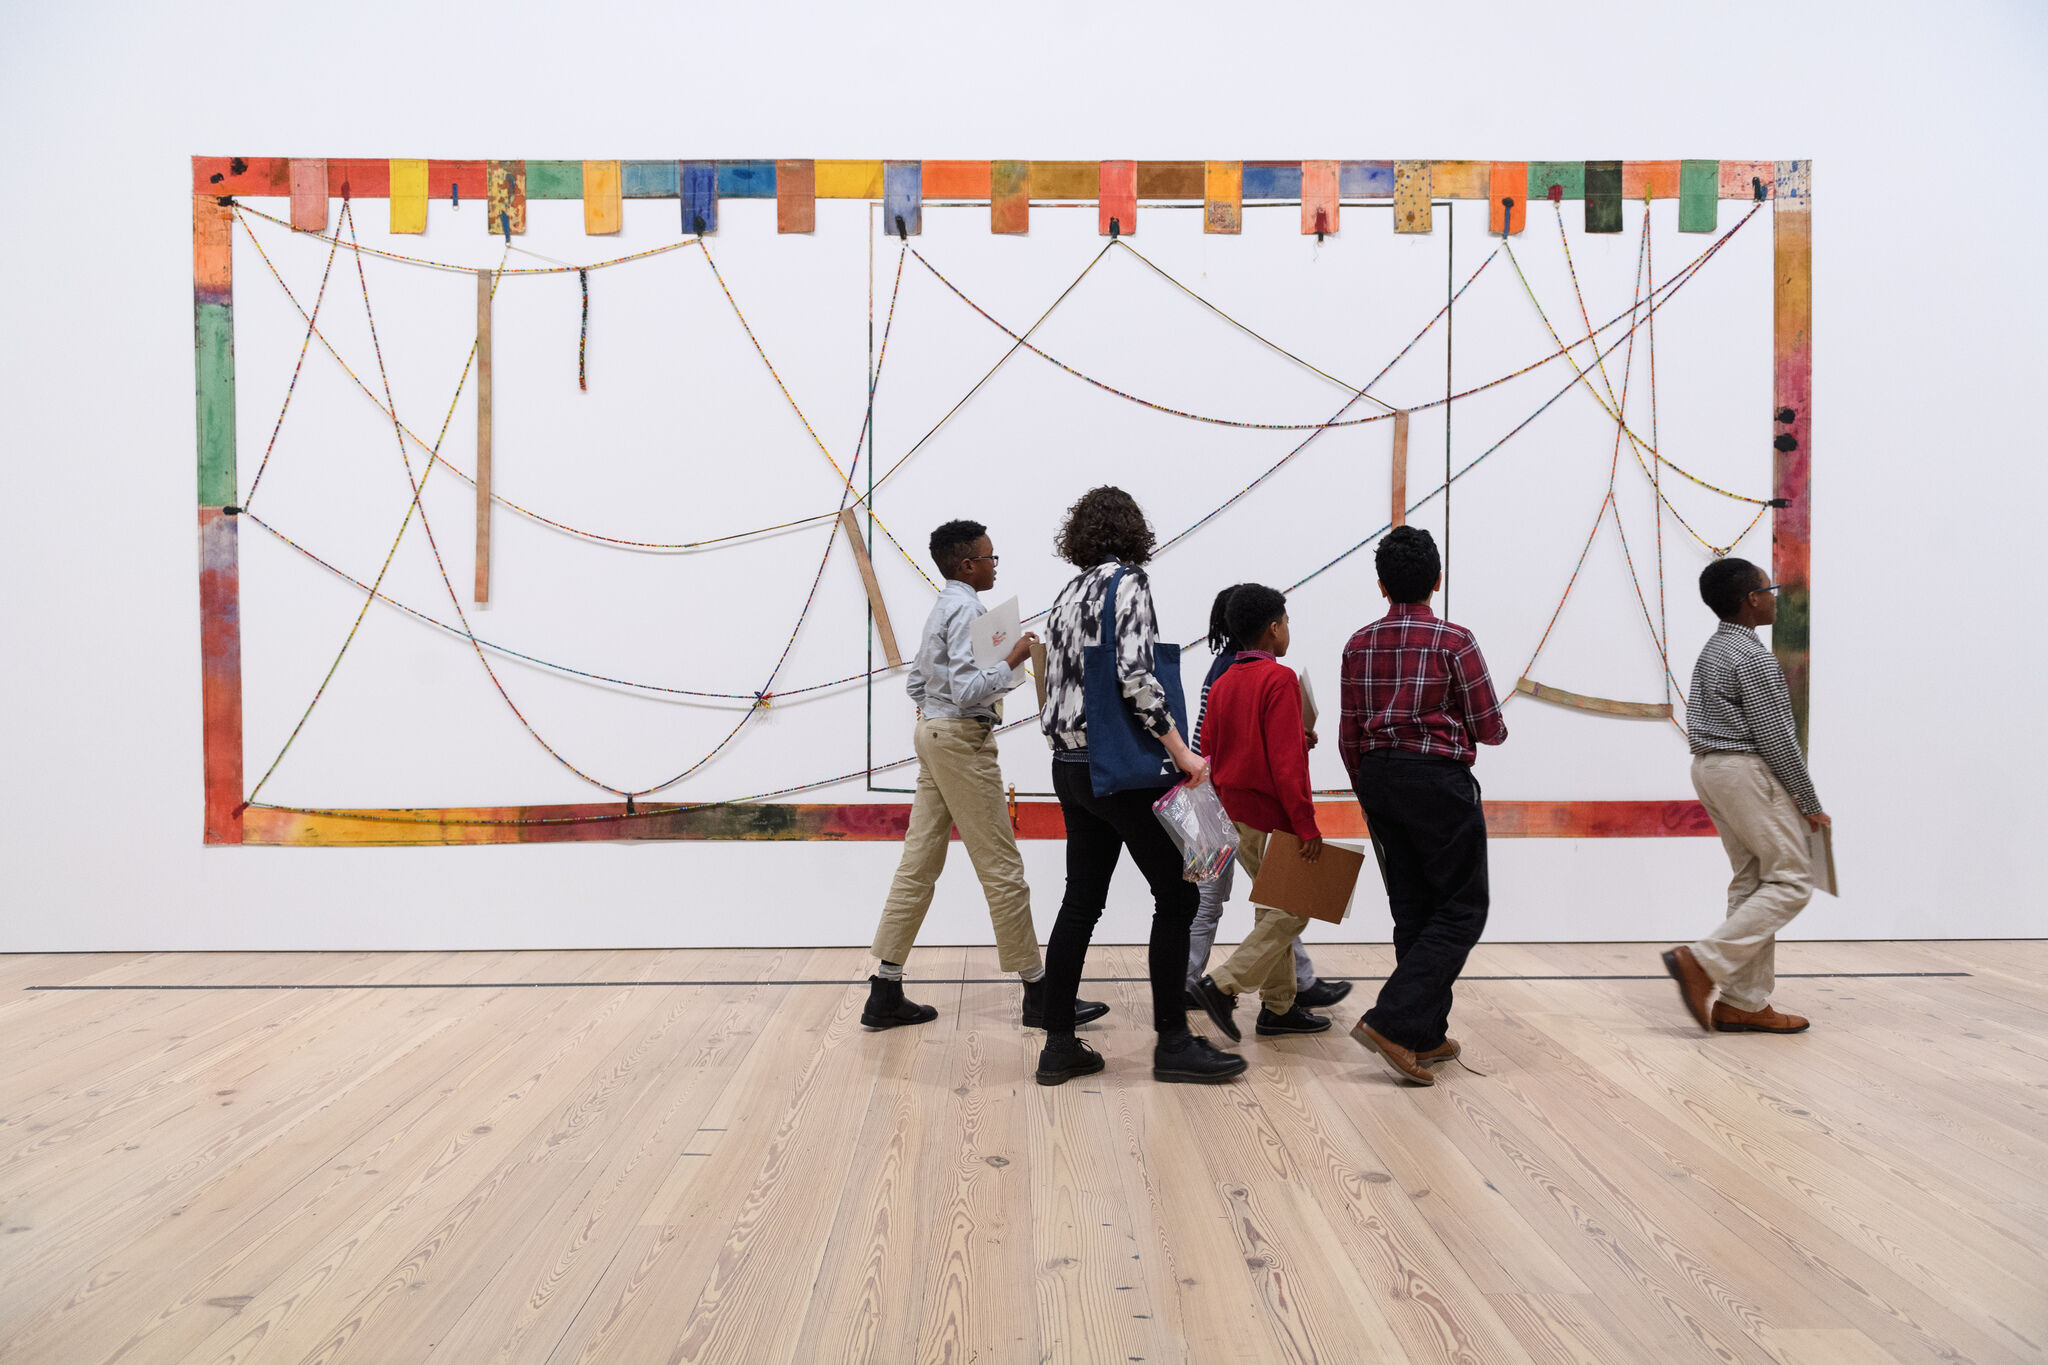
[1739, 705]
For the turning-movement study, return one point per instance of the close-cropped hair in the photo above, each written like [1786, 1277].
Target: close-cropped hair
[1408, 564]
[1725, 582]
[1220, 637]
[952, 542]
[1103, 524]
[1253, 607]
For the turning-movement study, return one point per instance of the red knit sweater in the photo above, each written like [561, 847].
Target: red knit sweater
[1257, 747]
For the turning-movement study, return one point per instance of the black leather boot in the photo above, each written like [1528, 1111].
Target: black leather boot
[887, 1008]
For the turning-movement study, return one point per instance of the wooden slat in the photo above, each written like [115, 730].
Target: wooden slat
[1508, 198]
[408, 188]
[1399, 515]
[1792, 426]
[484, 281]
[1639, 710]
[885, 631]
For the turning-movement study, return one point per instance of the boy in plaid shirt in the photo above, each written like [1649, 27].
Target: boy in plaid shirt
[1417, 703]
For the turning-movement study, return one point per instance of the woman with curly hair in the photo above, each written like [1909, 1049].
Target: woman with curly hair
[1105, 532]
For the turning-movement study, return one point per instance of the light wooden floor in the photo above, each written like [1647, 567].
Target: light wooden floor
[731, 1169]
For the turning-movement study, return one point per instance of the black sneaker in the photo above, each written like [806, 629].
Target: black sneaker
[1219, 1005]
[1323, 994]
[886, 1007]
[1059, 1062]
[1296, 1020]
[1034, 1006]
[1191, 1059]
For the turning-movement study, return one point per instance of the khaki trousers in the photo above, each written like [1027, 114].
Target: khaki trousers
[1264, 962]
[960, 785]
[1766, 839]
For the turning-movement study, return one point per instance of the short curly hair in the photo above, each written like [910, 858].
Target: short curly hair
[1408, 564]
[1253, 607]
[1725, 583]
[1103, 524]
[952, 542]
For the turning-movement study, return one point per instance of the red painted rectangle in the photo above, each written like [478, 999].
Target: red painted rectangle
[252, 175]
[309, 195]
[471, 179]
[1119, 198]
[796, 201]
[359, 178]
[220, 675]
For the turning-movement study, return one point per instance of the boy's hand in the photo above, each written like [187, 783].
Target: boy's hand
[1020, 651]
[1311, 849]
[1311, 739]
[1819, 820]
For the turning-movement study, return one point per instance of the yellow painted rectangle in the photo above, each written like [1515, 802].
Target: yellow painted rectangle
[1460, 179]
[603, 209]
[1223, 196]
[408, 195]
[1066, 179]
[848, 180]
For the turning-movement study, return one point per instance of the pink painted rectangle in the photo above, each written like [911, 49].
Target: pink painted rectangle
[309, 194]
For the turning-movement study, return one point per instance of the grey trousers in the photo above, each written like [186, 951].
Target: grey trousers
[1202, 935]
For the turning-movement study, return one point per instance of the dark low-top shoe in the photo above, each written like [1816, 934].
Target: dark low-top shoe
[1296, 1020]
[1323, 994]
[1191, 1059]
[1059, 1062]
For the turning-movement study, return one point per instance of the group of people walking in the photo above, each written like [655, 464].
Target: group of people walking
[1417, 701]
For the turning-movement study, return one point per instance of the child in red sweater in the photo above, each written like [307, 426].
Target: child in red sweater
[1257, 749]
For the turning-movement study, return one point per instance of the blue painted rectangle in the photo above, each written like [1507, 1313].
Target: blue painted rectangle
[699, 195]
[648, 179]
[746, 180]
[1365, 179]
[903, 195]
[1272, 180]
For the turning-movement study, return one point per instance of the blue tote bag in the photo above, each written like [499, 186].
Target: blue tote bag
[1121, 755]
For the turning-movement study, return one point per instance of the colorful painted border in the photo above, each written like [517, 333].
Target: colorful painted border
[862, 823]
[228, 821]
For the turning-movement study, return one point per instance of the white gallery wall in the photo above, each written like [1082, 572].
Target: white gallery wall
[1927, 465]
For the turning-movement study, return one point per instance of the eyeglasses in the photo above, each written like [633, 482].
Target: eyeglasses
[976, 559]
[1768, 587]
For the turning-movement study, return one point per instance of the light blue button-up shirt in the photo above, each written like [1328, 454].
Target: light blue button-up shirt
[944, 683]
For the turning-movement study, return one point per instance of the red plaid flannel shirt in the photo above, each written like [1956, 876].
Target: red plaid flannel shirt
[1414, 682]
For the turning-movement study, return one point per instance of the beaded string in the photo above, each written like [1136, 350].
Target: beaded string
[470, 269]
[1656, 468]
[583, 336]
[808, 429]
[1684, 277]
[297, 366]
[348, 218]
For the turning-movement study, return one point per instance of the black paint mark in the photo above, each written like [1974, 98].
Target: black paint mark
[237, 166]
[215, 178]
[1787, 416]
[1785, 440]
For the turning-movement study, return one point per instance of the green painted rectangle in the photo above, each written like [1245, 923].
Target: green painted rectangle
[1699, 196]
[213, 336]
[554, 180]
[1570, 176]
[1603, 196]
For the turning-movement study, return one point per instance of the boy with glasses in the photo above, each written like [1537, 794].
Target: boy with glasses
[1751, 777]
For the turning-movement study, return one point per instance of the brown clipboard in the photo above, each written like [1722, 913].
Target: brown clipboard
[1038, 670]
[1318, 890]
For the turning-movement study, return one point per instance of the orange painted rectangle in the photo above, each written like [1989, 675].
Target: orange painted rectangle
[1460, 179]
[213, 261]
[603, 210]
[1066, 179]
[1119, 198]
[955, 180]
[1318, 196]
[1507, 193]
[1223, 196]
[309, 196]
[1642, 180]
[796, 205]
[1009, 196]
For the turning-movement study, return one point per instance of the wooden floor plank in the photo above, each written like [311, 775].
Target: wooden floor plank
[526, 1156]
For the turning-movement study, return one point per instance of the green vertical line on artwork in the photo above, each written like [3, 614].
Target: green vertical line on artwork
[213, 327]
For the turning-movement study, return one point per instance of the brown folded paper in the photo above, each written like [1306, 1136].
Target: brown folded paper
[1318, 890]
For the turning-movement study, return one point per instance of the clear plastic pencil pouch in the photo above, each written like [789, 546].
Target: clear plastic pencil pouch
[1195, 819]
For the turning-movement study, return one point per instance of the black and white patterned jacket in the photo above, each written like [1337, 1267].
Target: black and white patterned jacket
[1074, 622]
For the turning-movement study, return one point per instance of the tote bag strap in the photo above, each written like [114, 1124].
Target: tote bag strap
[1109, 608]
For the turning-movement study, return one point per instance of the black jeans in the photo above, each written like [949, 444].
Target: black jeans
[1099, 828]
[1430, 832]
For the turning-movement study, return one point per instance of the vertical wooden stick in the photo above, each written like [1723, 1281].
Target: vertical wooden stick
[483, 435]
[1400, 517]
[874, 586]
[220, 576]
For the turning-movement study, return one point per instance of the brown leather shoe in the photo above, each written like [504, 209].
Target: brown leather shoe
[1399, 1059]
[1728, 1019]
[1446, 1051]
[1695, 987]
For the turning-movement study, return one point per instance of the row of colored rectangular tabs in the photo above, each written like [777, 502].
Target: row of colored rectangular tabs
[1009, 188]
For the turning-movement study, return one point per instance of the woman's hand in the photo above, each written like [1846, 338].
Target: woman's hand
[1187, 760]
